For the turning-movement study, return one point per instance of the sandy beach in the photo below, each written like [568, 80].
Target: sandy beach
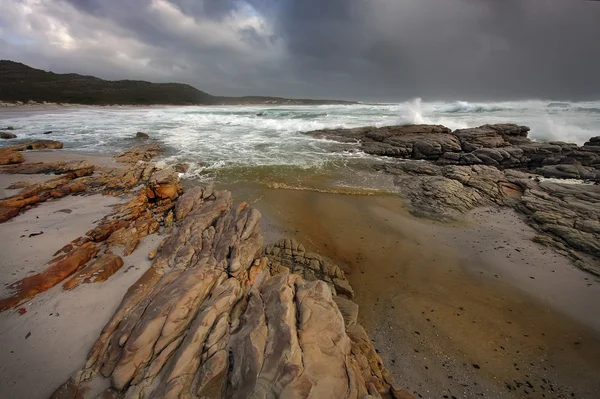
[470, 309]
[474, 309]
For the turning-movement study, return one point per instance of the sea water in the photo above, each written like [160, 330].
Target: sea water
[238, 139]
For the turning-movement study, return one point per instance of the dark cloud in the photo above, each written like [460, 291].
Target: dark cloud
[372, 50]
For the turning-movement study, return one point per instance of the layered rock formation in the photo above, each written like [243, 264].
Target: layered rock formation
[117, 234]
[501, 145]
[443, 174]
[217, 315]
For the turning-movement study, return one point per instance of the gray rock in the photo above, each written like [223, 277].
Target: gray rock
[6, 135]
[141, 136]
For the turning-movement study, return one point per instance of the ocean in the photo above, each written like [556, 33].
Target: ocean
[241, 140]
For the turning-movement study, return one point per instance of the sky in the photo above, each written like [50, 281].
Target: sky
[369, 50]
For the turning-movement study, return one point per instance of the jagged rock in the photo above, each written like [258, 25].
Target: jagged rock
[181, 167]
[570, 172]
[97, 272]
[8, 157]
[6, 135]
[129, 237]
[142, 153]
[141, 136]
[54, 188]
[213, 319]
[61, 268]
[500, 145]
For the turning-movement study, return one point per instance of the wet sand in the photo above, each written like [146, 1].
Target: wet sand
[471, 310]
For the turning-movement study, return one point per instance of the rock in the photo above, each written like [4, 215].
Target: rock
[61, 268]
[142, 153]
[37, 145]
[9, 128]
[141, 136]
[80, 168]
[5, 135]
[7, 213]
[96, 272]
[212, 318]
[48, 132]
[105, 229]
[181, 167]
[342, 287]
[8, 157]
[128, 238]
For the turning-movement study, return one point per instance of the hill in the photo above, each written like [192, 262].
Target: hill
[22, 83]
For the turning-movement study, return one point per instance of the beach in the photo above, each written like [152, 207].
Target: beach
[466, 309]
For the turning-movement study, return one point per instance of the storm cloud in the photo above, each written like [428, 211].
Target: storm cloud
[372, 50]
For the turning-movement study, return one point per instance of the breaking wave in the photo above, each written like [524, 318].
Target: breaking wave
[232, 136]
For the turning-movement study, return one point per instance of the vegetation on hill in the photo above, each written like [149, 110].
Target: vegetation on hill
[21, 83]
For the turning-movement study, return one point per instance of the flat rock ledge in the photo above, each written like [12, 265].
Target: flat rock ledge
[443, 174]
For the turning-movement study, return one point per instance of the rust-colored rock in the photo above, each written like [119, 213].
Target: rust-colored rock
[8, 157]
[129, 237]
[80, 168]
[97, 272]
[37, 145]
[170, 191]
[105, 229]
[30, 286]
[7, 213]
[141, 153]
[212, 318]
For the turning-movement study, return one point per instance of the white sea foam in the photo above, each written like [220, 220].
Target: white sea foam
[235, 136]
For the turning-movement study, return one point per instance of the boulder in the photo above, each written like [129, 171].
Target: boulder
[141, 136]
[6, 135]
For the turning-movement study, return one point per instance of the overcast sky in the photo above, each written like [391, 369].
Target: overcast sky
[373, 50]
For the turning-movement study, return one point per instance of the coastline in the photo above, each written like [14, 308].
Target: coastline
[400, 267]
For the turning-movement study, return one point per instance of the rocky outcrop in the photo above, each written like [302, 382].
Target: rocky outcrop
[446, 192]
[155, 191]
[9, 157]
[501, 145]
[219, 316]
[493, 165]
[37, 145]
[81, 168]
[142, 153]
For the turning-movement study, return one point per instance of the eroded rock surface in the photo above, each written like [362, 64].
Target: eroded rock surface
[118, 234]
[218, 316]
[444, 174]
[500, 145]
